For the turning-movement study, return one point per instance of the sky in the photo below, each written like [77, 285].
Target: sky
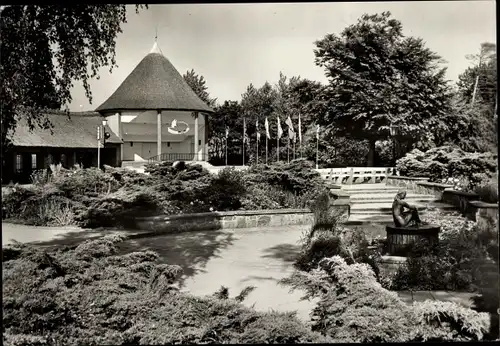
[233, 45]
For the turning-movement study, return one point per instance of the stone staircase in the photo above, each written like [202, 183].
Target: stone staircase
[372, 203]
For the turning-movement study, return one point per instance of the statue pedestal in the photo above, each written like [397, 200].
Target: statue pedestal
[400, 239]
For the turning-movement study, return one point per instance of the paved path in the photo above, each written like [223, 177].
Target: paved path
[233, 258]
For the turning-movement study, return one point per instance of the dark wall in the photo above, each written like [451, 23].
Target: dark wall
[68, 157]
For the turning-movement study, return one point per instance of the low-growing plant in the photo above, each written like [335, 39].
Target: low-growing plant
[488, 189]
[354, 308]
[456, 263]
[447, 162]
[90, 295]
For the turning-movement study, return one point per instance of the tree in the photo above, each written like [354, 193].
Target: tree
[227, 115]
[378, 77]
[199, 86]
[45, 50]
[484, 72]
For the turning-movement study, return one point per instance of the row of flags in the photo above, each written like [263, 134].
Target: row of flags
[288, 122]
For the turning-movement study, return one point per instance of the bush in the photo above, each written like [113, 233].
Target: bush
[456, 263]
[86, 182]
[354, 308]
[119, 208]
[298, 176]
[327, 237]
[40, 206]
[89, 295]
[447, 161]
[488, 190]
[226, 190]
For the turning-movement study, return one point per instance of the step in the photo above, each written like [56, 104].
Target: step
[389, 201]
[368, 191]
[135, 164]
[360, 219]
[388, 206]
[387, 195]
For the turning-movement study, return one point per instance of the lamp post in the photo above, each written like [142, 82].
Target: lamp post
[101, 134]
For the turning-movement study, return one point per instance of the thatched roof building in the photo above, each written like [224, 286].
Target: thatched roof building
[73, 130]
[154, 84]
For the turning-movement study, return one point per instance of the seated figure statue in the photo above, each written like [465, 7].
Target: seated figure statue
[401, 217]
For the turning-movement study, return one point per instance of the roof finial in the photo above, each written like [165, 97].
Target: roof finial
[156, 36]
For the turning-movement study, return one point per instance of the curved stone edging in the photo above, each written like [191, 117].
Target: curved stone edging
[228, 220]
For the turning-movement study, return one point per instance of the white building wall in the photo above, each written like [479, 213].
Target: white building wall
[144, 143]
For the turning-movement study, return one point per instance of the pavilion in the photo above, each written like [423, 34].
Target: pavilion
[147, 103]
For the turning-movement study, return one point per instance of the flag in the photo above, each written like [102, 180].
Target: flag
[280, 130]
[317, 132]
[266, 125]
[227, 132]
[291, 132]
[300, 130]
[257, 129]
[245, 136]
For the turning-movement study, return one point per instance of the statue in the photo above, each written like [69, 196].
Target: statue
[401, 217]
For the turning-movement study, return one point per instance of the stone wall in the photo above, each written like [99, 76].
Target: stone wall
[229, 220]
[419, 185]
[408, 182]
[485, 214]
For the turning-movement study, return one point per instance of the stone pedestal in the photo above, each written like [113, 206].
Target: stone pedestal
[400, 239]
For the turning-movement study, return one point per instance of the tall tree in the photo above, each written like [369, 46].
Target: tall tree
[227, 115]
[482, 76]
[378, 77]
[199, 86]
[45, 49]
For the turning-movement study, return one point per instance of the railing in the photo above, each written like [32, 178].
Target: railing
[356, 175]
[172, 157]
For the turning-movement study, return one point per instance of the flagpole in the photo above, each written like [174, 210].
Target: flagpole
[266, 148]
[317, 147]
[226, 150]
[278, 149]
[257, 156]
[288, 150]
[244, 133]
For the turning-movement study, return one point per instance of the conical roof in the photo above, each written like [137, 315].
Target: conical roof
[154, 84]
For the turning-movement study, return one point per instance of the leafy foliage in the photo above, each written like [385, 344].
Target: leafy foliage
[377, 77]
[461, 260]
[328, 237]
[447, 161]
[62, 45]
[89, 295]
[93, 198]
[353, 307]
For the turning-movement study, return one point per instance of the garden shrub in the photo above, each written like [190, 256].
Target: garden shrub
[447, 161]
[226, 190]
[354, 308]
[128, 177]
[118, 208]
[89, 295]
[38, 206]
[456, 263]
[328, 237]
[298, 176]
[488, 189]
[85, 182]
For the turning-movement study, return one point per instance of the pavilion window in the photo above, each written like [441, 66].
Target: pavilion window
[19, 163]
[33, 161]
